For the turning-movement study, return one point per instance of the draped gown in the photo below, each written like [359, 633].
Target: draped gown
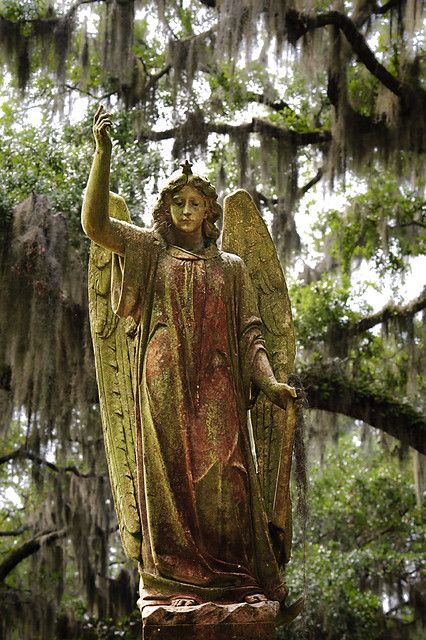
[205, 533]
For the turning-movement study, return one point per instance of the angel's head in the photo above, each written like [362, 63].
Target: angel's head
[184, 187]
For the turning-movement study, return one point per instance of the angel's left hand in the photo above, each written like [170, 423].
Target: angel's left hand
[279, 393]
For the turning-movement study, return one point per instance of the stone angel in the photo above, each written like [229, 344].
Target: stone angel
[198, 428]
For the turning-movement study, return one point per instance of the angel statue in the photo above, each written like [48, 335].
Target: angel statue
[198, 428]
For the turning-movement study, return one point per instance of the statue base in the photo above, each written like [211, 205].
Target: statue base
[211, 621]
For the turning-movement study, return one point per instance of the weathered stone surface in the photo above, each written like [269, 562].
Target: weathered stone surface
[177, 349]
[211, 621]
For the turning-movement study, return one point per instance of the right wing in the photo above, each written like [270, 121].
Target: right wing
[246, 234]
[113, 350]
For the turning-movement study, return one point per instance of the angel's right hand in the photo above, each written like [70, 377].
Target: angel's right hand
[101, 125]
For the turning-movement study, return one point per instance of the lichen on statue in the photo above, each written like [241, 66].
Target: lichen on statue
[195, 356]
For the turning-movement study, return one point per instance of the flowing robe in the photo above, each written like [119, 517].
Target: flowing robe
[205, 533]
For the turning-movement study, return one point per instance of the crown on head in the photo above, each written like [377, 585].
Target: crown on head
[186, 168]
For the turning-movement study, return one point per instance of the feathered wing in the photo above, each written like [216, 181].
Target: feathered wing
[246, 234]
[113, 348]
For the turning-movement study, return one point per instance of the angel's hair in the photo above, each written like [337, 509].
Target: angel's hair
[161, 212]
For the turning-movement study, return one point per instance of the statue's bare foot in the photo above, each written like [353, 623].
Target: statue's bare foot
[183, 602]
[256, 597]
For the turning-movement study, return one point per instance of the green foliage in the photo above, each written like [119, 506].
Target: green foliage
[288, 119]
[127, 628]
[55, 161]
[362, 89]
[384, 225]
[364, 539]
[24, 10]
[40, 159]
[323, 306]
[387, 359]
[15, 491]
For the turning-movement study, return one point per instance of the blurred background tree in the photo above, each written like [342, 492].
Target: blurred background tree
[318, 109]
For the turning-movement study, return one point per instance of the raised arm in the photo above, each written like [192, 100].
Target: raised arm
[95, 219]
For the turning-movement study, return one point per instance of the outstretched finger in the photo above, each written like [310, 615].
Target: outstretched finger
[98, 113]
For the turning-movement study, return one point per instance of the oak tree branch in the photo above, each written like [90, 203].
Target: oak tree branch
[27, 549]
[333, 392]
[24, 453]
[387, 313]
[257, 125]
[298, 24]
[13, 532]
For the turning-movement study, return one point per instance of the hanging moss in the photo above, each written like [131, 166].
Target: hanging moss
[241, 22]
[48, 375]
[14, 50]
[187, 56]
[411, 17]
[191, 138]
[42, 313]
[396, 121]
[283, 227]
[118, 41]
[85, 59]
[265, 159]
[62, 34]
[19, 42]
[242, 142]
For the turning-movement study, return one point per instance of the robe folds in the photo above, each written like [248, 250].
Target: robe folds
[204, 530]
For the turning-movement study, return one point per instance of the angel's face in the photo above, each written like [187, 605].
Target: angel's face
[188, 209]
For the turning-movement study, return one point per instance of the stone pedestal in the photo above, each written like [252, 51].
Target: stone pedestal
[211, 621]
